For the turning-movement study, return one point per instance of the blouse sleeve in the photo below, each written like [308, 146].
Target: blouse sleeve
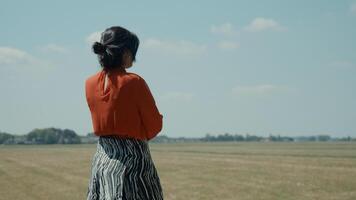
[87, 92]
[149, 113]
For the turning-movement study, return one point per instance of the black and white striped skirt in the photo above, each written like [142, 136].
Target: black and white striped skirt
[122, 169]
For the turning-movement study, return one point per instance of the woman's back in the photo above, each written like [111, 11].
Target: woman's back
[126, 107]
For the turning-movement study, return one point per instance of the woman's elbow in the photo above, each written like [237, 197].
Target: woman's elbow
[156, 128]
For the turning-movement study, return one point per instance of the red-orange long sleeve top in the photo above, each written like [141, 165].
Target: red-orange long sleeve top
[125, 108]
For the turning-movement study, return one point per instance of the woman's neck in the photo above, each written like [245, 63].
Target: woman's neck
[115, 70]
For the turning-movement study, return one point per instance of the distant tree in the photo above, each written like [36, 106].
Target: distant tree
[348, 138]
[238, 137]
[323, 137]
[73, 138]
[273, 138]
[53, 136]
[312, 138]
[251, 138]
[279, 138]
[208, 137]
[225, 137]
[5, 136]
[91, 134]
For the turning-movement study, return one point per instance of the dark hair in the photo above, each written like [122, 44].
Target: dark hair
[113, 43]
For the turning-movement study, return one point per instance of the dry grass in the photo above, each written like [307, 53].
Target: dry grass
[268, 171]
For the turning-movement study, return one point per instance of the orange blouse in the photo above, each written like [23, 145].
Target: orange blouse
[125, 108]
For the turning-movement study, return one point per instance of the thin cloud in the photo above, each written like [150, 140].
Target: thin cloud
[353, 8]
[263, 24]
[177, 96]
[228, 45]
[343, 65]
[12, 56]
[19, 61]
[181, 47]
[226, 29]
[54, 48]
[257, 90]
[93, 37]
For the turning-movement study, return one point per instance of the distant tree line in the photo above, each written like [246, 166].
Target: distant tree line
[42, 136]
[67, 136]
[272, 138]
[229, 137]
[226, 137]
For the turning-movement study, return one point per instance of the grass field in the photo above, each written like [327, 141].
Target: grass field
[226, 171]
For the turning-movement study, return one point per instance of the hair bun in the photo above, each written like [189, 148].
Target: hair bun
[99, 48]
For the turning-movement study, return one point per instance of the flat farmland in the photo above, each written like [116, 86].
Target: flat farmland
[202, 171]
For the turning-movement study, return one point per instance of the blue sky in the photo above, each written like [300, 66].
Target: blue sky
[257, 67]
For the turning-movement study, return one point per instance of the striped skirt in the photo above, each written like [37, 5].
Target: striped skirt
[122, 169]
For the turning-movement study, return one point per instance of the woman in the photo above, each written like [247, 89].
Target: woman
[125, 117]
